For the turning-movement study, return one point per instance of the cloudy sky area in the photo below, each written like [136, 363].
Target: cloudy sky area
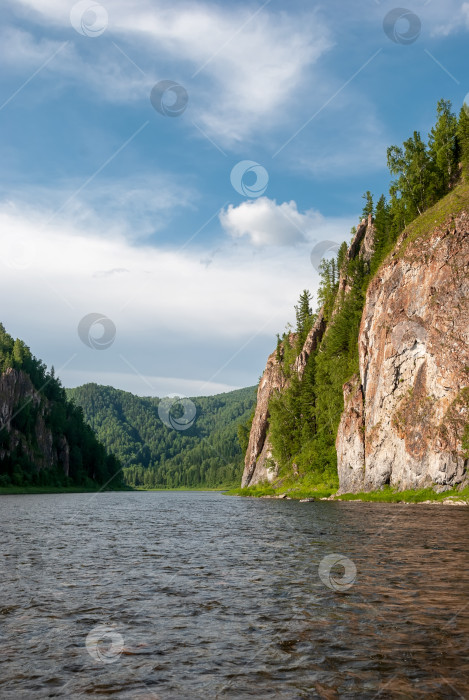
[108, 206]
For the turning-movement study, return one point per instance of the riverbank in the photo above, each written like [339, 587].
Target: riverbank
[18, 490]
[385, 495]
[186, 488]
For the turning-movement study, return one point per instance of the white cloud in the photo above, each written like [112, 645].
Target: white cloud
[241, 67]
[175, 317]
[135, 207]
[267, 223]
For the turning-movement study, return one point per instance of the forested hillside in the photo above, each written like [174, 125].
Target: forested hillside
[44, 440]
[304, 417]
[154, 455]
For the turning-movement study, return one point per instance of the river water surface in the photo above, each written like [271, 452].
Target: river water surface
[198, 595]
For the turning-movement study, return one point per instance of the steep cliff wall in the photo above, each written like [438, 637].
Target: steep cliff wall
[405, 415]
[33, 436]
[260, 465]
[258, 461]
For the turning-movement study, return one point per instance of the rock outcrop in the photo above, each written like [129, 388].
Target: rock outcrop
[405, 415]
[260, 465]
[16, 392]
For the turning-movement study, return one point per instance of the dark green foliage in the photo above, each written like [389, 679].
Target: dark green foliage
[89, 465]
[328, 285]
[304, 318]
[463, 137]
[368, 207]
[444, 148]
[155, 456]
[244, 430]
[304, 418]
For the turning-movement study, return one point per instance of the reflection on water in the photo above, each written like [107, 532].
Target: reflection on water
[197, 595]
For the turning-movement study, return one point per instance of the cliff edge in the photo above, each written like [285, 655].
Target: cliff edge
[406, 414]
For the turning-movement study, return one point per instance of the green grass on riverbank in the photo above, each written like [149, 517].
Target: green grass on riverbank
[385, 495]
[389, 495]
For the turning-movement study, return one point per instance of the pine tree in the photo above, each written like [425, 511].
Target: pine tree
[413, 166]
[369, 206]
[443, 148]
[463, 137]
[382, 228]
[304, 316]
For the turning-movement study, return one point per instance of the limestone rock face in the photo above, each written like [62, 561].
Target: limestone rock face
[16, 389]
[407, 428]
[258, 466]
[350, 442]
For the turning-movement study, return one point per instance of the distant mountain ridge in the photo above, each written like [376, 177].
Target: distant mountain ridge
[155, 455]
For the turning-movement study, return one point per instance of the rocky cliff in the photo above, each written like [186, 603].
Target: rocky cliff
[405, 420]
[260, 464]
[23, 416]
[406, 414]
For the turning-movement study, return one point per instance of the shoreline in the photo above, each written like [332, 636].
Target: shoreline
[38, 490]
[426, 496]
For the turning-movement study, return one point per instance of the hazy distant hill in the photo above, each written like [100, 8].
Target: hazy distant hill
[153, 454]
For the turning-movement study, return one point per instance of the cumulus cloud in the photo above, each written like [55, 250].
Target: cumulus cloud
[266, 223]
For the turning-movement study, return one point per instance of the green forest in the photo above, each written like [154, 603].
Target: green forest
[153, 455]
[304, 418]
[89, 464]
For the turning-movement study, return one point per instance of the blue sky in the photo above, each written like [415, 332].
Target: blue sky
[108, 206]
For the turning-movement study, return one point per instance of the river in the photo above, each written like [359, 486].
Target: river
[177, 595]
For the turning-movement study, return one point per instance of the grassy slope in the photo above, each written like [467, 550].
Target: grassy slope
[439, 215]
